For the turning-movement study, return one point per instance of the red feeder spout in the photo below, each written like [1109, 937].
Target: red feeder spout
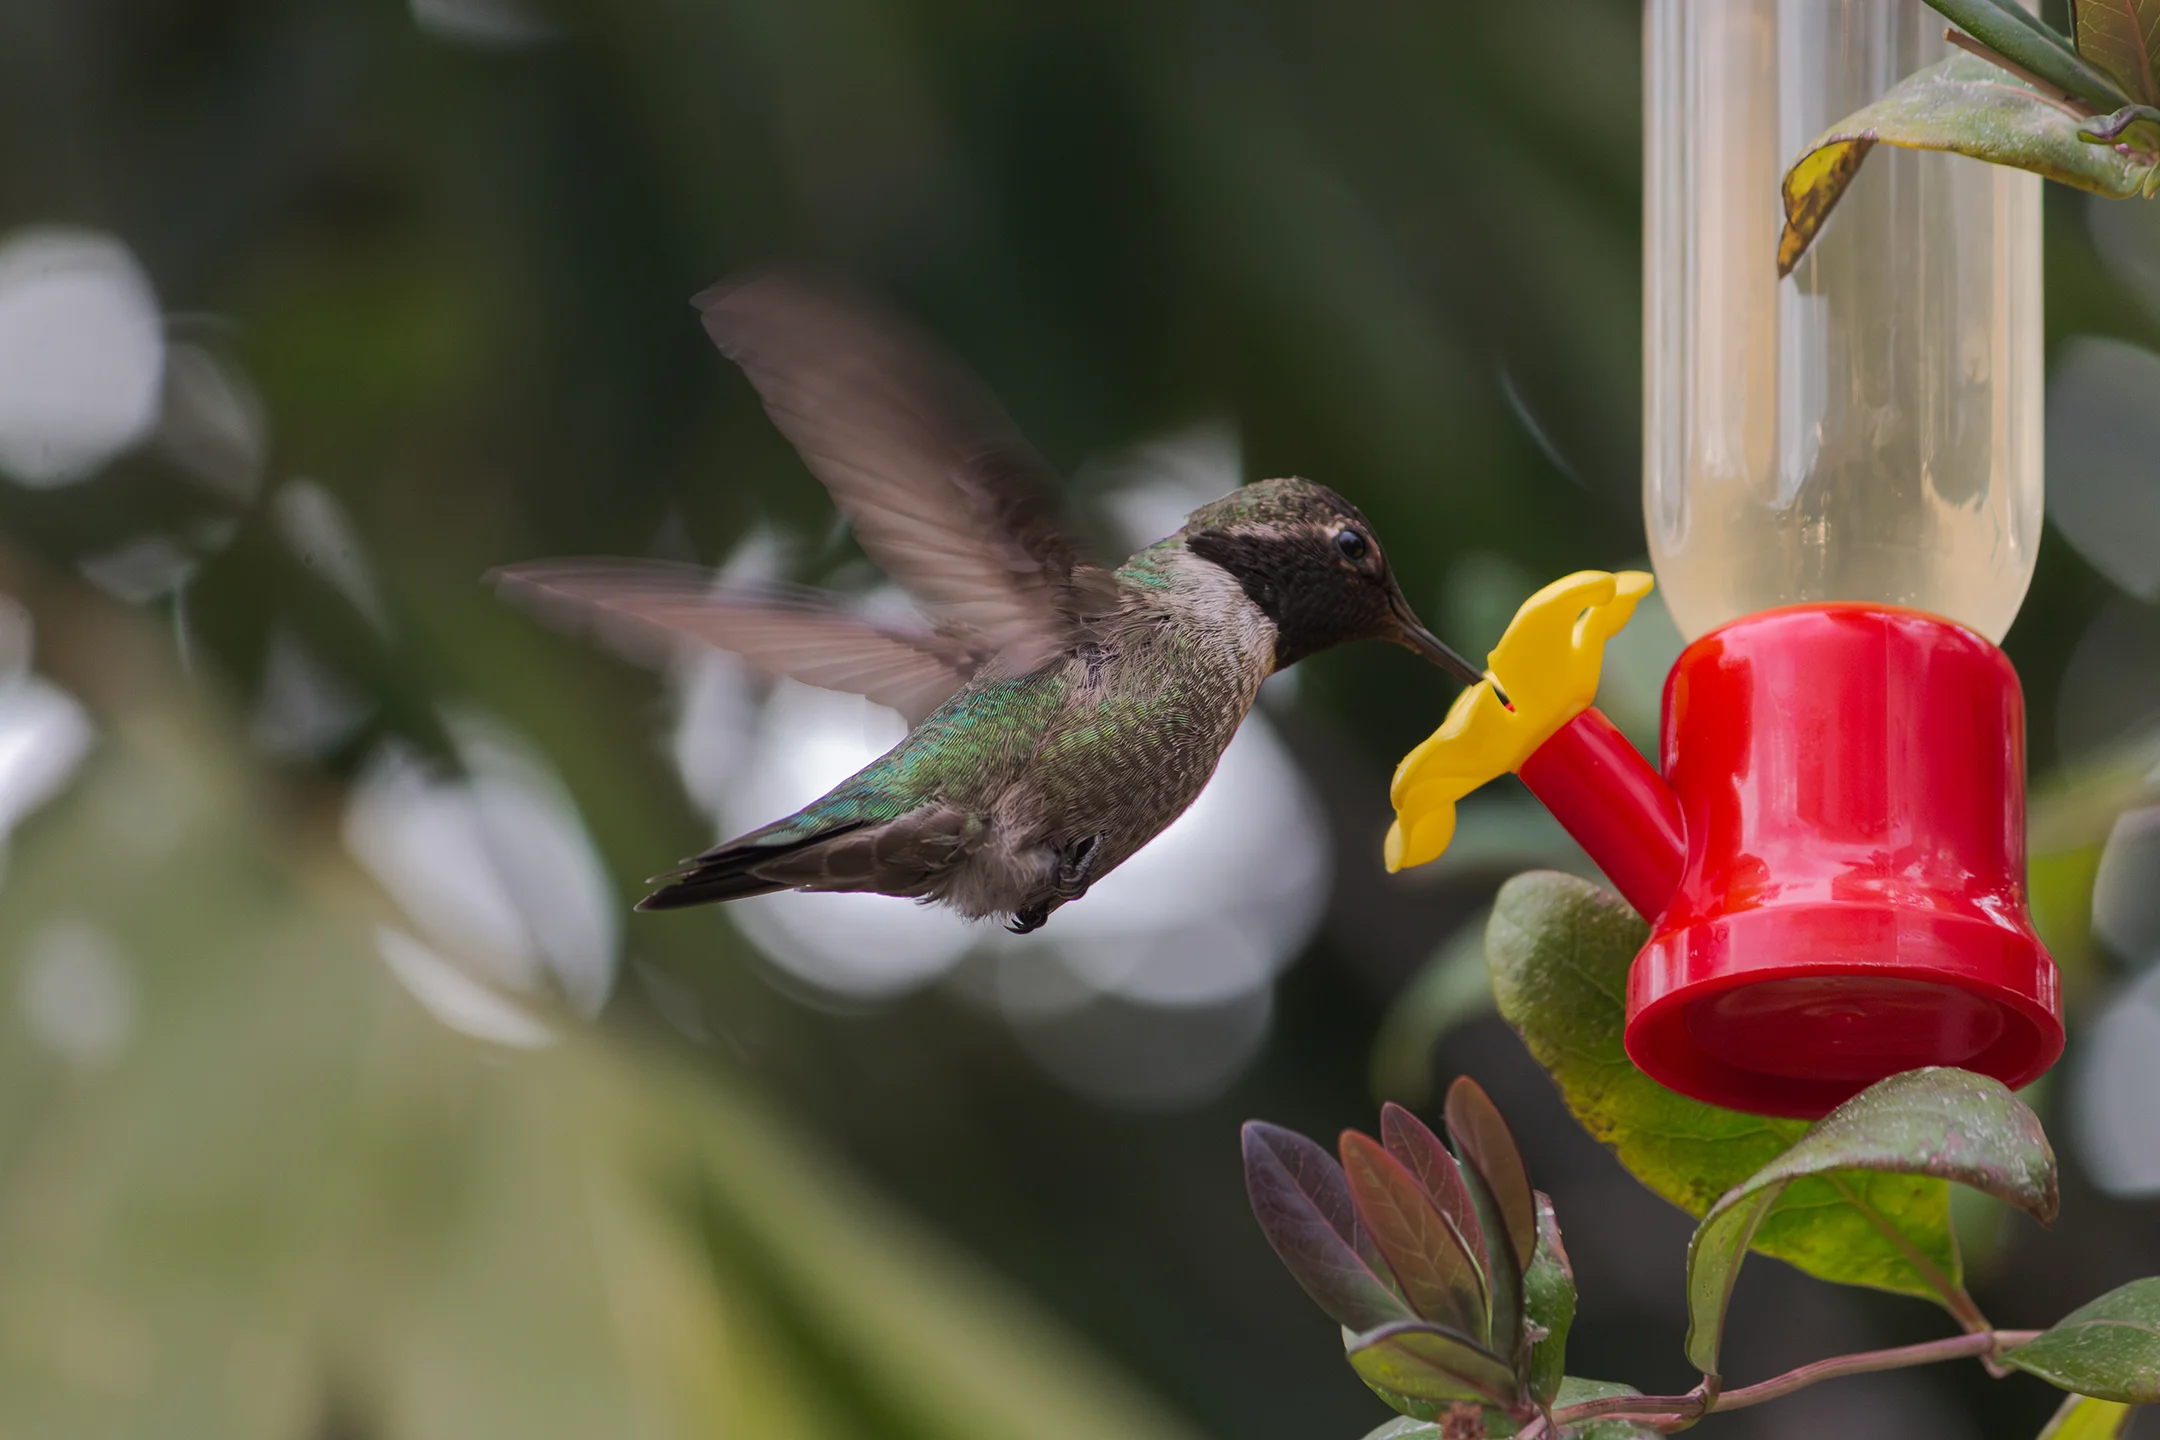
[1620, 810]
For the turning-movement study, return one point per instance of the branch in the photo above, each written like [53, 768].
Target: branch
[2047, 88]
[1702, 1400]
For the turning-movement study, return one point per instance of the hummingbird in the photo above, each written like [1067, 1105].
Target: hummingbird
[1062, 712]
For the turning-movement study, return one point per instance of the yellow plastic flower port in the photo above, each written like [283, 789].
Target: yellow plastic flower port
[1547, 667]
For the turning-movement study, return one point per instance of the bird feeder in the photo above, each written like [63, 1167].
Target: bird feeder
[1842, 493]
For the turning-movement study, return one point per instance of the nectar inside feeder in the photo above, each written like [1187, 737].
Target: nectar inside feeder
[1842, 489]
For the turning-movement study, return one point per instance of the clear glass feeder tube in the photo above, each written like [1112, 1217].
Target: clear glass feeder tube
[1870, 428]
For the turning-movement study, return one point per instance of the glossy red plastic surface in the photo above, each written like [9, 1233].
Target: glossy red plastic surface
[1851, 785]
[1615, 805]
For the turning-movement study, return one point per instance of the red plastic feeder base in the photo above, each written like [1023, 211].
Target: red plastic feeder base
[1851, 784]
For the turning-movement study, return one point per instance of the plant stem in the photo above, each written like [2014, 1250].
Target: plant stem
[1984, 1343]
[2047, 88]
[1676, 1409]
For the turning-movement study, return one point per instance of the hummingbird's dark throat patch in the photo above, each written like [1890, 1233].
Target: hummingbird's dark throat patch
[1302, 582]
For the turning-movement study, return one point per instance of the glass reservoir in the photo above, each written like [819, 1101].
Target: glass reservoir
[1870, 428]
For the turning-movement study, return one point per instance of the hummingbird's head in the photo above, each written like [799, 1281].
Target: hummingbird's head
[1311, 563]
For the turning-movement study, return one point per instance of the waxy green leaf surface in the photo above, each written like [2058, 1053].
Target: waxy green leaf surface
[2109, 1349]
[1549, 1301]
[1559, 948]
[1406, 1427]
[1576, 1391]
[1949, 1124]
[1967, 106]
[1429, 1363]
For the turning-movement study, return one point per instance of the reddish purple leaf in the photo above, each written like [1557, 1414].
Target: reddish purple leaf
[1422, 1154]
[1303, 1205]
[1482, 1138]
[1478, 1133]
[1437, 1275]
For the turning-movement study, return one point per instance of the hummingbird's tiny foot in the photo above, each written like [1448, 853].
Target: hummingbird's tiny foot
[1076, 868]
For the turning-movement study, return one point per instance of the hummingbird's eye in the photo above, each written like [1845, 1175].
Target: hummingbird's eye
[1352, 544]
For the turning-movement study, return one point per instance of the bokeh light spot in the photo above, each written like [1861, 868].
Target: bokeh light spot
[2117, 1124]
[2103, 432]
[82, 354]
[77, 992]
[493, 867]
[44, 735]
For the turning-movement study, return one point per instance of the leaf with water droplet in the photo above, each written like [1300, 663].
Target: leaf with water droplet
[1940, 1122]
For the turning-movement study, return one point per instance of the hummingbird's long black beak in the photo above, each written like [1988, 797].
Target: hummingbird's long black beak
[1415, 636]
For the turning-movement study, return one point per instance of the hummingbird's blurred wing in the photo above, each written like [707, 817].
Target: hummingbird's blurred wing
[644, 608]
[944, 494]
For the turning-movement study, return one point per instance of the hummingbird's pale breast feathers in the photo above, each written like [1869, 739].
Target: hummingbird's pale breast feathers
[1150, 705]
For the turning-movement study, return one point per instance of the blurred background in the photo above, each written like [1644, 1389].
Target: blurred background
[342, 1097]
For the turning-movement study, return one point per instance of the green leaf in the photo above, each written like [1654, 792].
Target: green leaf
[1949, 1124]
[1406, 1427]
[1560, 950]
[2109, 1349]
[1575, 1390]
[1431, 1363]
[1549, 1303]
[2084, 1418]
[2016, 34]
[298, 1204]
[2122, 37]
[1409, 1427]
[1969, 107]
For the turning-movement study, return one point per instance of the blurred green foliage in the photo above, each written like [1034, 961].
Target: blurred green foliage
[299, 1206]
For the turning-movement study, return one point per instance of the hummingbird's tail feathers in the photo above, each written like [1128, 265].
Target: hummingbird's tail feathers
[742, 867]
[707, 887]
[912, 855]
